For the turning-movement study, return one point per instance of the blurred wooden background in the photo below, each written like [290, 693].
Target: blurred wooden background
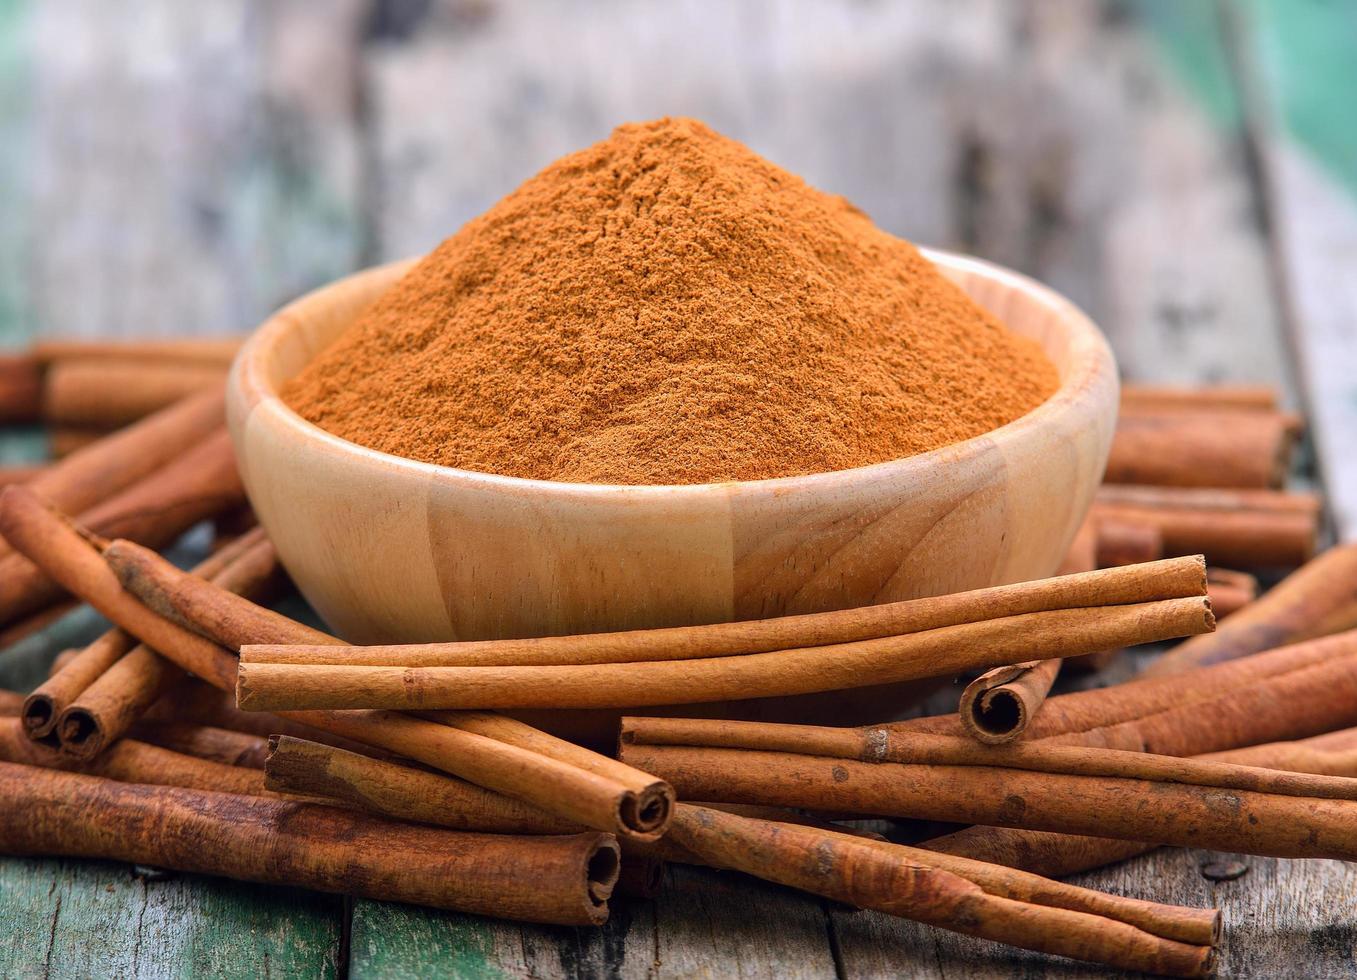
[1186, 170]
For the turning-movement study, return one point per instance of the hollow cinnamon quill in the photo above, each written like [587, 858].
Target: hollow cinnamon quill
[564, 880]
[1112, 587]
[868, 875]
[1127, 809]
[998, 705]
[1058, 633]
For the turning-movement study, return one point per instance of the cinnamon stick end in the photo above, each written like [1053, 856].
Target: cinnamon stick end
[39, 715]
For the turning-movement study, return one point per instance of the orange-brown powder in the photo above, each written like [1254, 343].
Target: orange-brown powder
[668, 307]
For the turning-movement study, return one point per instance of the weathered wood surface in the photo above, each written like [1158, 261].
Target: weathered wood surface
[185, 168]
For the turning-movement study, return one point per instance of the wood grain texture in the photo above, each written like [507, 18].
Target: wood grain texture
[98, 919]
[449, 554]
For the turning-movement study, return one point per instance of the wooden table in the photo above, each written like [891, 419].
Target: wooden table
[1184, 169]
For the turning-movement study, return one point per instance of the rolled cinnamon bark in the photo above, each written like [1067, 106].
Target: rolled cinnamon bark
[998, 705]
[1240, 527]
[1120, 543]
[108, 394]
[312, 769]
[131, 761]
[49, 699]
[1318, 599]
[204, 742]
[116, 462]
[155, 510]
[1057, 855]
[1113, 587]
[874, 876]
[1230, 591]
[264, 686]
[1242, 397]
[560, 787]
[1125, 809]
[108, 706]
[563, 880]
[1201, 448]
[20, 388]
[208, 351]
[879, 744]
[1226, 684]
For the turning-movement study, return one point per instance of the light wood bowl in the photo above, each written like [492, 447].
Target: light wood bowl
[391, 550]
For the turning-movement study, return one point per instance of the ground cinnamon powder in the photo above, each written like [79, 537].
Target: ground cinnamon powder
[668, 307]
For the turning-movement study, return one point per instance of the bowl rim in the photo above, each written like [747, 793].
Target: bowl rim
[1090, 355]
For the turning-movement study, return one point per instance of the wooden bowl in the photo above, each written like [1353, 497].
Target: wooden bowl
[392, 550]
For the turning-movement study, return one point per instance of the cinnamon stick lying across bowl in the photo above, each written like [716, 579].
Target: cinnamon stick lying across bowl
[156, 509]
[108, 394]
[1127, 809]
[1252, 528]
[1318, 599]
[268, 686]
[871, 875]
[588, 795]
[108, 707]
[562, 879]
[1201, 448]
[997, 706]
[1112, 587]
[43, 706]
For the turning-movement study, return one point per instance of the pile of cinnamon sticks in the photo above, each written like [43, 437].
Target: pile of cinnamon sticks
[82, 390]
[1201, 471]
[206, 732]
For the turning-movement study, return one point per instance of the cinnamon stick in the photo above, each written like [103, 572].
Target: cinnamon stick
[1230, 591]
[1064, 854]
[204, 742]
[871, 875]
[880, 744]
[209, 351]
[21, 472]
[268, 686]
[1234, 687]
[1242, 397]
[559, 787]
[156, 510]
[107, 707]
[1126, 809]
[564, 879]
[20, 388]
[131, 761]
[108, 394]
[1201, 448]
[309, 768]
[1318, 599]
[1253, 528]
[998, 705]
[1124, 586]
[1122, 543]
[116, 462]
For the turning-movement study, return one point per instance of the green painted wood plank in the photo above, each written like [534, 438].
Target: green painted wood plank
[704, 923]
[99, 919]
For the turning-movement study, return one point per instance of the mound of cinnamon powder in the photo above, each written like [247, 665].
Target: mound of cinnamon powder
[668, 307]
